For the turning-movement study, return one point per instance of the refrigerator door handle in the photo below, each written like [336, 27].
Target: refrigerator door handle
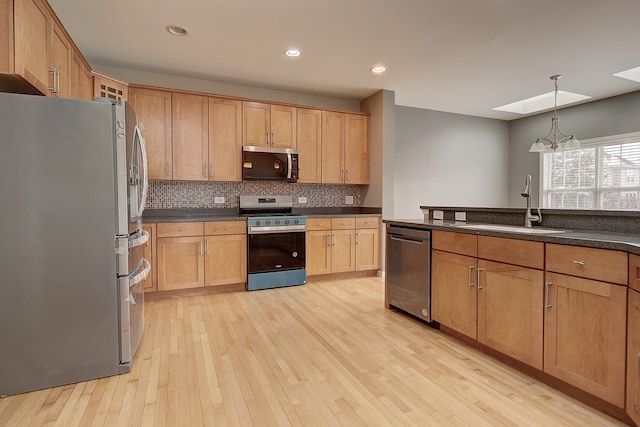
[137, 278]
[145, 172]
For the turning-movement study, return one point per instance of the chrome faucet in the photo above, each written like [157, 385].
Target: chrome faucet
[526, 193]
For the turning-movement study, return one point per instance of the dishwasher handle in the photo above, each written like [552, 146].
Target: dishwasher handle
[409, 235]
[407, 239]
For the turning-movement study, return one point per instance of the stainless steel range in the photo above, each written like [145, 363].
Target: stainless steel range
[275, 242]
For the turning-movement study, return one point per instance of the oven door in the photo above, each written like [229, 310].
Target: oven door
[276, 252]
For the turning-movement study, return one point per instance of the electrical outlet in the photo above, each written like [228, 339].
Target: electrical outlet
[302, 200]
[461, 216]
[348, 200]
[218, 200]
[438, 214]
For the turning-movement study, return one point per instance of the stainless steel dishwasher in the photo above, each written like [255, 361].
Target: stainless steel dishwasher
[408, 275]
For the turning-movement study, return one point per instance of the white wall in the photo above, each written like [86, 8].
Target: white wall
[447, 159]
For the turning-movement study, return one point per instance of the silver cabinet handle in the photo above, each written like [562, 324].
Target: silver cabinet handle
[204, 170]
[207, 250]
[471, 267]
[581, 262]
[346, 175]
[547, 285]
[54, 73]
[168, 169]
[478, 270]
[200, 248]
[333, 239]
[328, 239]
[210, 169]
[273, 139]
[342, 175]
[358, 238]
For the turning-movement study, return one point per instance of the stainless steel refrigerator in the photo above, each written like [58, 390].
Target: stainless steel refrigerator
[72, 192]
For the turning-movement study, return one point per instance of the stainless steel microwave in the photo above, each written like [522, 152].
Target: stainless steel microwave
[266, 163]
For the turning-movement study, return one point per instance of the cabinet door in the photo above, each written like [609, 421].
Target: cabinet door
[149, 252]
[367, 249]
[154, 116]
[225, 259]
[454, 296]
[510, 310]
[190, 129]
[318, 252]
[343, 251]
[256, 121]
[108, 87]
[60, 60]
[333, 133]
[225, 140]
[356, 149]
[76, 76]
[633, 356]
[283, 126]
[32, 33]
[180, 263]
[309, 145]
[584, 335]
[87, 83]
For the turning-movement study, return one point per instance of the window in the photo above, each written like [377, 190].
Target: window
[603, 174]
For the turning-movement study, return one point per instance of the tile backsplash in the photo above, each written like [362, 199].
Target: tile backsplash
[188, 194]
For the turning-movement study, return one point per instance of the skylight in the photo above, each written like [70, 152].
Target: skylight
[541, 102]
[632, 74]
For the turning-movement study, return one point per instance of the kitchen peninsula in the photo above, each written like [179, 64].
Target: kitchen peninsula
[559, 302]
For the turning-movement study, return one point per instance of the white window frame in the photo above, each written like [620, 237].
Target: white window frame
[591, 143]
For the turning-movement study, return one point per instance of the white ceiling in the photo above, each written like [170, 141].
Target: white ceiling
[462, 56]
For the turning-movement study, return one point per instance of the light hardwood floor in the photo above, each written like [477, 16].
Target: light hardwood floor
[327, 353]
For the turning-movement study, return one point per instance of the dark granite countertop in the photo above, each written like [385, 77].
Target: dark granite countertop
[231, 214]
[589, 238]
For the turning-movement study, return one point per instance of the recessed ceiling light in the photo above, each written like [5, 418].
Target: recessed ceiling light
[541, 102]
[293, 52]
[378, 69]
[632, 74]
[177, 30]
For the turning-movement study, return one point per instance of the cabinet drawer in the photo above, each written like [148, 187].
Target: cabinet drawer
[367, 222]
[458, 243]
[598, 264]
[343, 223]
[225, 227]
[318, 224]
[179, 229]
[634, 271]
[512, 251]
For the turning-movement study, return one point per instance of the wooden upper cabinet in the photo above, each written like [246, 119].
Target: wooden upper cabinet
[76, 84]
[60, 61]
[109, 87]
[225, 140]
[190, 129]
[333, 134]
[32, 35]
[283, 126]
[309, 145]
[267, 125]
[154, 117]
[356, 149]
[256, 120]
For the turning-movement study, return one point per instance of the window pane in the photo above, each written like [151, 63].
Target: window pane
[603, 176]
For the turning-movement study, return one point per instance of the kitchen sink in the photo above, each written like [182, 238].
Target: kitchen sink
[511, 228]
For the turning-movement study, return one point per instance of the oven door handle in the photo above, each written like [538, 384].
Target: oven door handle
[277, 229]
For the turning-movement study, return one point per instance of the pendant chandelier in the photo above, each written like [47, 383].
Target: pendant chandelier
[555, 139]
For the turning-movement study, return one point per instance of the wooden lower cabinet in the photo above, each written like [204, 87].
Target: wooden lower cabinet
[343, 244]
[584, 335]
[633, 355]
[454, 297]
[149, 252]
[510, 310]
[180, 263]
[225, 259]
[197, 254]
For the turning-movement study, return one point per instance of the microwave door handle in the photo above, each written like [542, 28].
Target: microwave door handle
[145, 172]
[289, 165]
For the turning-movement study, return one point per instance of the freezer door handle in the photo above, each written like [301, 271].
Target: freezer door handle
[139, 239]
[137, 278]
[145, 172]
